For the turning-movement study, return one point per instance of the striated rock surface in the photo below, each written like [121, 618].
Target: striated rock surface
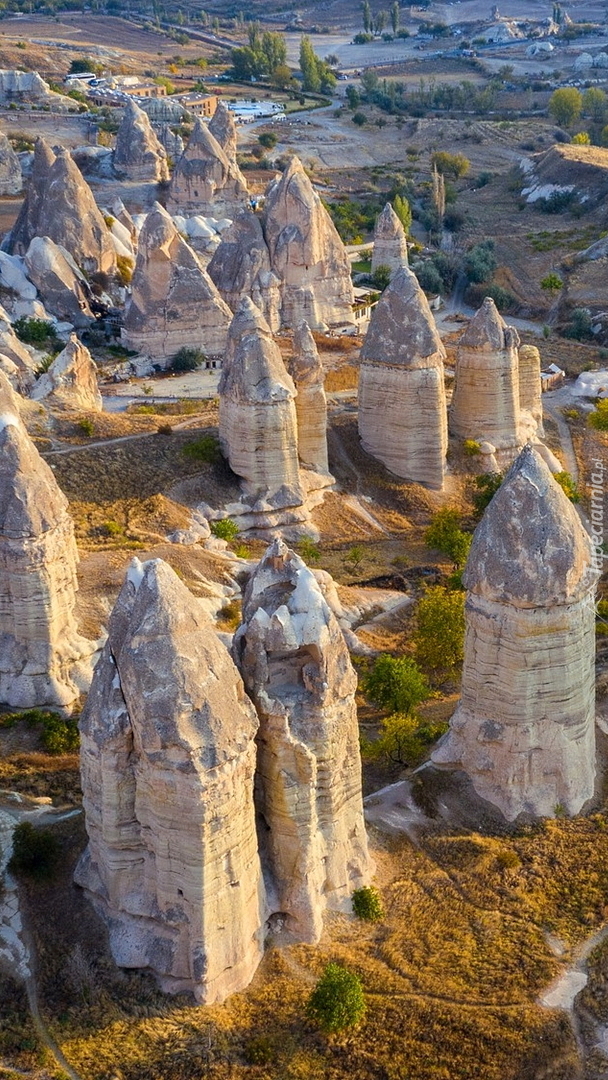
[390, 244]
[311, 402]
[524, 730]
[306, 254]
[15, 351]
[138, 154]
[43, 659]
[530, 390]
[223, 129]
[204, 180]
[59, 204]
[297, 670]
[258, 426]
[71, 380]
[62, 286]
[167, 763]
[485, 404]
[11, 180]
[173, 302]
[173, 144]
[402, 406]
[240, 268]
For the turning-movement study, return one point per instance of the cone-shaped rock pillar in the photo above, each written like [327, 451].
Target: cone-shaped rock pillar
[530, 390]
[390, 244]
[311, 402]
[138, 154]
[524, 730]
[205, 181]
[240, 268]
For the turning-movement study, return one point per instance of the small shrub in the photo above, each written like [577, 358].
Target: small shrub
[226, 529]
[552, 282]
[359, 119]
[508, 859]
[367, 904]
[45, 364]
[580, 325]
[571, 414]
[487, 485]
[471, 447]
[268, 140]
[355, 556]
[484, 179]
[337, 1001]
[450, 165]
[34, 331]
[381, 277]
[582, 138]
[261, 1051]
[568, 486]
[110, 528]
[309, 550]
[86, 426]
[444, 534]
[206, 449]
[164, 429]
[124, 269]
[59, 733]
[35, 851]
[187, 360]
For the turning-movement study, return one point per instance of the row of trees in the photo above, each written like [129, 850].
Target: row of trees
[266, 55]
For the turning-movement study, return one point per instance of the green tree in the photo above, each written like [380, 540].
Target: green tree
[552, 282]
[604, 136]
[595, 104]
[598, 419]
[84, 64]
[395, 16]
[445, 535]
[439, 636]
[381, 277]
[337, 1001]
[268, 140]
[380, 21]
[309, 66]
[568, 485]
[403, 211]
[487, 484]
[582, 138]
[404, 740]
[353, 96]
[451, 165]
[282, 76]
[35, 851]
[397, 684]
[367, 904]
[359, 119]
[273, 50]
[367, 16]
[565, 105]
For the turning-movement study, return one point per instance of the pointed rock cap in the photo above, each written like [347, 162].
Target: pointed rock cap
[402, 330]
[293, 174]
[158, 229]
[31, 501]
[202, 144]
[73, 354]
[242, 251]
[255, 373]
[247, 321]
[388, 223]
[305, 366]
[300, 592]
[530, 548]
[44, 158]
[487, 328]
[181, 687]
[223, 129]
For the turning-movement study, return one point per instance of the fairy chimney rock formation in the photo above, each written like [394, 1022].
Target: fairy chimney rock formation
[63, 288]
[204, 180]
[306, 254]
[167, 764]
[71, 380]
[11, 180]
[138, 154]
[174, 304]
[297, 670]
[485, 404]
[43, 661]
[240, 267]
[530, 390]
[390, 244]
[258, 426]
[311, 402]
[60, 204]
[524, 730]
[402, 406]
[223, 129]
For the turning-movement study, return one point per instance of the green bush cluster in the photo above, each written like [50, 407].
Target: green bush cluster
[206, 449]
[337, 1001]
[187, 360]
[367, 904]
[35, 851]
[396, 683]
[225, 529]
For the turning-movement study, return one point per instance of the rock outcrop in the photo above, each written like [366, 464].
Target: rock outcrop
[15, 351]
[297, 670]
[174, 303]
[402, 405]
[530, 391]
[223, 129]
[11, 180]
[71, 380]
[485, 404]
[204, 180]
[62, 286]
[138, 154]
[59, 204]
[43, 660]
[173, 144]
[258, 426]
[240, 267]
[167, 761]
[311, 402]
[390, 244]
[524, 730]
[306, 254]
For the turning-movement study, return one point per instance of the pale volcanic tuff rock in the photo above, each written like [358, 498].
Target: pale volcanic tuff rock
[173, 144]
[17, 353]
[402, 406]
[43, 659]
[59, 203]
[223, 129]
[485, 404]
[311, 402]
[204, 181]
[390, 244]
[258, 426]
[524, 730]
[240, 268]
[530, 390]
[173, 302]
[138, 154]
[71, 380]
[167, 763]
[11, 180]
[306, 254]
[62, 286]
[297, 670]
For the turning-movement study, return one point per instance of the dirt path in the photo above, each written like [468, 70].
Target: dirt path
[184, 424]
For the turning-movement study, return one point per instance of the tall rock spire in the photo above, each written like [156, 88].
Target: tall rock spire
[524, 730]
[402, 406]
[138, 154]
[311, 402]
[223, 129]
[240, 268]
[204, 180]
[390, 244]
